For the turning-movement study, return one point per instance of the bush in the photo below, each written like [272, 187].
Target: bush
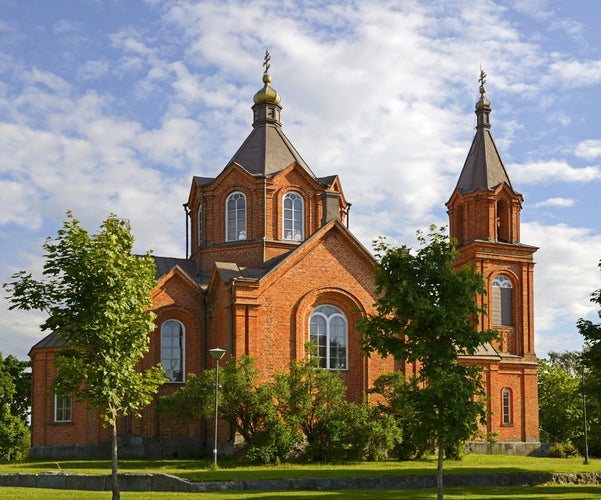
[563, 450]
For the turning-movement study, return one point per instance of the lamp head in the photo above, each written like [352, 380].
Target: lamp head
[217, 353]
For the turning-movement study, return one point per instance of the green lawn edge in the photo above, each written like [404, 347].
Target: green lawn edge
[202, 470]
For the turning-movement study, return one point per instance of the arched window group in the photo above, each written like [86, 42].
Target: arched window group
[293, 217]
[328, 329]
[502, 301]
[172, 350]
[235, 217]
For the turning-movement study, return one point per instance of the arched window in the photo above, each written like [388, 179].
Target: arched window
[172, 350]
[235, 217]
[200, 225]
[502, 301]
[503, 221]
[328, 330]
[506, 395]
[293, 216]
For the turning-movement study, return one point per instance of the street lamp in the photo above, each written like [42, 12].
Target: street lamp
[584, 421]
[216, 354]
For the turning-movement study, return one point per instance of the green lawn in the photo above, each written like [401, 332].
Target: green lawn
[201, 470]
[506, 493]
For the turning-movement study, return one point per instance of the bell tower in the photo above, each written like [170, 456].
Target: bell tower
[484, 217]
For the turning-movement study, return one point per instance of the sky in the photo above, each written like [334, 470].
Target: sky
[111, 106]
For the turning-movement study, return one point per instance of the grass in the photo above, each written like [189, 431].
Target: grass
[202, 470]
[558, 492]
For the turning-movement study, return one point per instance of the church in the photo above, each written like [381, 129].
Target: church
[271, 264]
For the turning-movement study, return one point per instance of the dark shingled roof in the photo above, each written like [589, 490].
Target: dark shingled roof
[483, 168]
[267, 151]
[486, 351]
[50, 340]
[166, 264]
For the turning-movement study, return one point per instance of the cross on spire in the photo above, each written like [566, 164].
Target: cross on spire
[266, 62]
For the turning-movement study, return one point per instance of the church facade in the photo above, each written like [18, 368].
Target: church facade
[271, 264]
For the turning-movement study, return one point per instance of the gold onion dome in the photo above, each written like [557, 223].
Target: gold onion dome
[267, 94]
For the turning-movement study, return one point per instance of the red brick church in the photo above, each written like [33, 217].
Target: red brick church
[272, 264]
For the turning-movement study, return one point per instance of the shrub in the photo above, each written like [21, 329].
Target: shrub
[563, 450]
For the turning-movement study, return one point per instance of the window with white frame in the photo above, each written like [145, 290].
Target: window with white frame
[62, 408]
[502, 301]
[235, 217]
[172, 350]
[293, 217]
[329, 331]
[506, 407]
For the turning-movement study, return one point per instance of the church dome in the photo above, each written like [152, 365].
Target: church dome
[267, 94]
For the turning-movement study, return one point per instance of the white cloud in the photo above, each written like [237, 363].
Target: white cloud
[573, 73]
[552, 171]
[92, 70]
[589, 149]
[555, 202]
[566, 274]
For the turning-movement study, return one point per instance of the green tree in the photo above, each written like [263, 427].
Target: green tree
[398, 400]
[312, 399]
[560, 398]
[591, 359]
[15, 397]
[427, 312]
[97, 297]
[591, 332]
[248, 408]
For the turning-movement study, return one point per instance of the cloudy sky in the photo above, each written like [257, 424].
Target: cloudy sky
[111, 106]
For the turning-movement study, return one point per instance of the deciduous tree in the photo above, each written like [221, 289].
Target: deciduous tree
[427, 312]
[97, 297]
[15, 397]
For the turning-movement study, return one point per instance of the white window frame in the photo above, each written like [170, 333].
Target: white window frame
[240, 226]
[63, 408]
[168, 361]
[293, 226]
[504, 317]
[506, 402]
[325, 315]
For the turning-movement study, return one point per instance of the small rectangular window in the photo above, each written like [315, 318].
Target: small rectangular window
[62, 408]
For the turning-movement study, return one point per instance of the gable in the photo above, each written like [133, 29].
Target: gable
[176, 288]
[331, 255]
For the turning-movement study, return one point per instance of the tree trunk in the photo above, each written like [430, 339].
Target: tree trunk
[114, 477]
[439, 486]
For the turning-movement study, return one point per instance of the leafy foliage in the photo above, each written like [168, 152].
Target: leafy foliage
[559, 399]
[97, 296]
[427, 312]
[247, 407]
[591, 332]
[15, 397]
[301, 412]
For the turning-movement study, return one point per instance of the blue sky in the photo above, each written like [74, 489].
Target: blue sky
[110, 106]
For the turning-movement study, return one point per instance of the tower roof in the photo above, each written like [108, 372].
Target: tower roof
[267, 150]
[483, 168]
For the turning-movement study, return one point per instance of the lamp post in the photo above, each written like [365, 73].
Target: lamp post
[216, 354]
[584, 421]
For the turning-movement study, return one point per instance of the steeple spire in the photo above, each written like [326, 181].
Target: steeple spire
[483, 168]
